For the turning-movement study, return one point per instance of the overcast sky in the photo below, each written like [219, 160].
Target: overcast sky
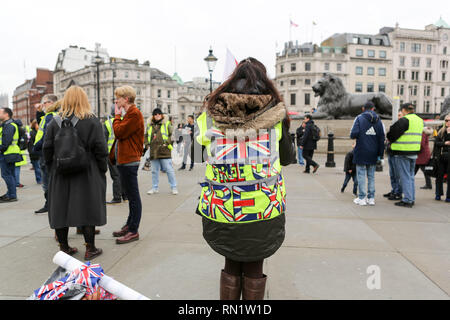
[32, 33]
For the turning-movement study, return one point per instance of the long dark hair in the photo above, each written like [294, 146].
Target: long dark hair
[249, 77]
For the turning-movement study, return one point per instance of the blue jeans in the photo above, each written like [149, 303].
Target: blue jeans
[37, 171]
[301, 161]
[166, 165]
[361, 172]
[349, 176]
[8, 175]
[404, 166]
[396, 187]
[17, 175]
[129, 177]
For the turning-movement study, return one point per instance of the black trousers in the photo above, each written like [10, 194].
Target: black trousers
[129, 176]
[118, 189]
[443, 167]
[427, 177]
[308, 156]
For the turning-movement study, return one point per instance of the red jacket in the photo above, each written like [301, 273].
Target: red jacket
[129, 133]
[424, 155]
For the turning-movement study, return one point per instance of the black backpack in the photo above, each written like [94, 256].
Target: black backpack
[315, 130]
[70, 154]
[23, 138]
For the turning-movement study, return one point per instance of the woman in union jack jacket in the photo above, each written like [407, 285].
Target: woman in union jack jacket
[243, 135]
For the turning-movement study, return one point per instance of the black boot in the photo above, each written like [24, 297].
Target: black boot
[183, 167]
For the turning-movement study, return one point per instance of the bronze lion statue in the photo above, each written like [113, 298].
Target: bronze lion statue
[445, 108]
[335, 102]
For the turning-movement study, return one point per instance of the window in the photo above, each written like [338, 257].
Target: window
[339, 67]
[159, 93]
[307, 81]
[400, 89]
[402, 47]
[358, 87]
[382, 87]
[282, 68]
[415, 75]
[307, 99]
[138, 91]
[383, 54]
[168, 93]
[416, 47]
[414, 91]
[355, 40]
[444, 64]
[370, 87]
[370, 71]
[281, 83]
[443, 76]
[359, 70]
[292, 99]
[169, 106]
[327, 66]
[429, 48]
[382, 72]
[402, 61]
[138, 75]
[126, 74]
[428, 76]
[365, 41]
[307, 66]
[371, 53]
[427, 91]
[429, 61]
[415, 62]
[426, 105]
[293, 66]
[444, 51]
[442, 92]
[359, 52]
[293, 82]
[401, 74]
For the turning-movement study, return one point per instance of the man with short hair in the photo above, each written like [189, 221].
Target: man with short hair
[9, 153]
[368, 130]
[405, 137]
[126, 153]
[308, 145]
[48, 101]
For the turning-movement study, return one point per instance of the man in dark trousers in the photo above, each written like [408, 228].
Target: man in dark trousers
[308, 145]
[187, 138]
[9, 153]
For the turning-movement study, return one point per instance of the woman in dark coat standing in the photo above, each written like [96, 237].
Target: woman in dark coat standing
[442, 154]
[78, 200]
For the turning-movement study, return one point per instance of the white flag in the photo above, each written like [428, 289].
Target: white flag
[230, 65]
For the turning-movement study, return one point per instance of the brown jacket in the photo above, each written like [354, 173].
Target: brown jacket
[129, 133]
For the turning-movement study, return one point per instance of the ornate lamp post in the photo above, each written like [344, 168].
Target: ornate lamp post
[210, 63]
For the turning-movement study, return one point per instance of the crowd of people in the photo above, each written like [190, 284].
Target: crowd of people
[243, 197]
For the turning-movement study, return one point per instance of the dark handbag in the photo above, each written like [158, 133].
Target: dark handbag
[431, 169]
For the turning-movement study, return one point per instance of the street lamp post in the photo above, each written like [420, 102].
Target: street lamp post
[113, 68]
[211, 63]
[97, 61]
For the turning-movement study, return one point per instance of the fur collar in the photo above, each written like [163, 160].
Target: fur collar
[246, 112]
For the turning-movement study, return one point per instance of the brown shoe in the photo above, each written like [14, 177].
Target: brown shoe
[68, 250]
[253, 289]
[121, 233]
[315, 168]
[129, 237]
[230, 287]
[92, 252]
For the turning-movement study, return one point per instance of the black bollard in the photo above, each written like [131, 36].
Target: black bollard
[330, 157]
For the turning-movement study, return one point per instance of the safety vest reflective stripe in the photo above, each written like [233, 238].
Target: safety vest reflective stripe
[235, 192]
[40, 133]
[164, 133]
[411, 140]
[24, 159]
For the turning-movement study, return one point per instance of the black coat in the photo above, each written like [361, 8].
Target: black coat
[348, 163]
[299, 133]
[33, 156]
[307, 142]
[78, 200]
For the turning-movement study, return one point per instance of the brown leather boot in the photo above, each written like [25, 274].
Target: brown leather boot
[230, 287]
[253, 289]
[92, 252]
[121, 233]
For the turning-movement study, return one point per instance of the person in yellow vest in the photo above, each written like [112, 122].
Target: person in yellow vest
[159, 138]
[405, 137]
[50, 104]
[244, 138]
[118, 190]
[24, 161]
[9, 153]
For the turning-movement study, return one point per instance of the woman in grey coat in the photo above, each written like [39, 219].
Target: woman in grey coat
[78, 200]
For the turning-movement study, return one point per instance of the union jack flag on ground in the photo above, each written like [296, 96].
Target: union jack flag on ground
[86, 276]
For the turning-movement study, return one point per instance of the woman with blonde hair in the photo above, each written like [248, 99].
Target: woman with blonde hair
[441, 153]
[77, 199]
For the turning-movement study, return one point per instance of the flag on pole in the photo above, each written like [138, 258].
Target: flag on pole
[230, 65]
[293, 24]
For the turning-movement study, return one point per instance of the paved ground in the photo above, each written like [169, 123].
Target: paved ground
[330, 243]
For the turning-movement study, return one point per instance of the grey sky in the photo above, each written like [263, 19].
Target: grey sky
[34, 32]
